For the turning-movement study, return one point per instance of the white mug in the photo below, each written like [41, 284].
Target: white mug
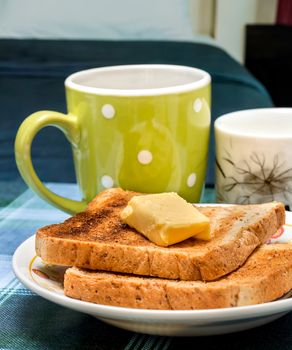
[254, 156]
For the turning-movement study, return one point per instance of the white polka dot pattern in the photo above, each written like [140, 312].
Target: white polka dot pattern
[191, 180]
[107, 181]
[108, 111]
[197, 105]
[145, 157]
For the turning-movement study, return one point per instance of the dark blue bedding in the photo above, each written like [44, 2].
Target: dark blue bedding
[32, 74]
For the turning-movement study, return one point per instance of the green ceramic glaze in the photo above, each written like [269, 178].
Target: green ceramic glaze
[153, 143]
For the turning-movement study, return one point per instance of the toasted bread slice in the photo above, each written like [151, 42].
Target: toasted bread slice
[266, 276]
[97, 239]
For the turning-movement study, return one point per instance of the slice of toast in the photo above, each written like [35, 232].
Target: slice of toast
[266, 276]
[97, 239]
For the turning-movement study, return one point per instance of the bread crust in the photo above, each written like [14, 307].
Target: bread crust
[266, 276]
[98, 239]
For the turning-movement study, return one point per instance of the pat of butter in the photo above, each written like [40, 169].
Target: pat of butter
[165, 218]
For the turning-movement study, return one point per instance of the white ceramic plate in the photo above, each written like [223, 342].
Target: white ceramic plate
[32, 273]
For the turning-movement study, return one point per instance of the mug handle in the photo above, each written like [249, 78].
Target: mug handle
[68, 124]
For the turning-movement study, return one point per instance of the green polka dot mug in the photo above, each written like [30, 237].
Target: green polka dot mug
[139, 127]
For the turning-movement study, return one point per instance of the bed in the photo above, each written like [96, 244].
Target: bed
[32, 72]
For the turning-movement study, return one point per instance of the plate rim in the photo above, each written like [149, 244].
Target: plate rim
[124, 313]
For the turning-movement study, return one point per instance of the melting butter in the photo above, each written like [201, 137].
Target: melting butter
[165, 218]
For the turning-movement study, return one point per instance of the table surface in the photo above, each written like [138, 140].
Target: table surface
[28, 321]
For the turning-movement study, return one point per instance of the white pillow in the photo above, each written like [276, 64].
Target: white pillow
[96, 19]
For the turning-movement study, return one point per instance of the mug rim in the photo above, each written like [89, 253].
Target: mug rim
[219, 123]
[182, 88]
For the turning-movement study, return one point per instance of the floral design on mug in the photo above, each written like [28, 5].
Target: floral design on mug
[255, 179]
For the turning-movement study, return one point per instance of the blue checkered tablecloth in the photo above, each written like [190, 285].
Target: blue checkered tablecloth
[28, 321]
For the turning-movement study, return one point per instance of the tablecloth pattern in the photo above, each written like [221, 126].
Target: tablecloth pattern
[28, 321]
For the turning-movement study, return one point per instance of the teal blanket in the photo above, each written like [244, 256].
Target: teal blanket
[32, 74]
